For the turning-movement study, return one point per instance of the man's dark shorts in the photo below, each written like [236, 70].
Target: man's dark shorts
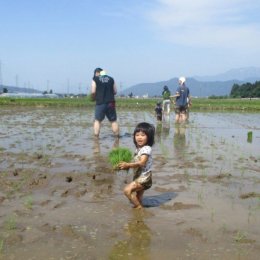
[181, 109]
[108, 110]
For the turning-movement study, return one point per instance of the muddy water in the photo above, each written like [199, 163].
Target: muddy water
[59, 198]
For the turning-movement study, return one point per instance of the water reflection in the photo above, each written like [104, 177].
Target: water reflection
[179, 140]
[137, 242]
[163, 128]
[96, 145]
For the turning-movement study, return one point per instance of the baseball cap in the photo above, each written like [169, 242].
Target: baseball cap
[97, 70]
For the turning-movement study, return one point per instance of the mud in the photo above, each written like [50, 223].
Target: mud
[60, 198]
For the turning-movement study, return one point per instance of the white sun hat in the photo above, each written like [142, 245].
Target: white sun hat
[182, 80]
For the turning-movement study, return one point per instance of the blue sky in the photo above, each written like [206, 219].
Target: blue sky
[57, 44]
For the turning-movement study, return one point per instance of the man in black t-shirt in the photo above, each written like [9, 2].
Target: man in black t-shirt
[103, 91]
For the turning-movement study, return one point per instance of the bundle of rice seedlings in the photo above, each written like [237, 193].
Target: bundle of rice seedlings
[119, 154]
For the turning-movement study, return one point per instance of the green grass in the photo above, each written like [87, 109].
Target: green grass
[119, 154]
[133, 103]
[10, 223]
[226, 104]
[28, 202]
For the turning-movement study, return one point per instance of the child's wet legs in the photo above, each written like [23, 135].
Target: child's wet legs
[129, 192]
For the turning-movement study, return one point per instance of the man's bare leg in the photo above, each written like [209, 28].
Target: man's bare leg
[177, 118]
[183, 117]
[97, 126]
[115, 128]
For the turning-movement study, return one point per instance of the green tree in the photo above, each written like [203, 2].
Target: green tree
[246, 90]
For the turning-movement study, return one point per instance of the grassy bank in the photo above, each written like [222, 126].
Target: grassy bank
[197, 104]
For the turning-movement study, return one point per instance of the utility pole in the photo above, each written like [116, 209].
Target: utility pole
[68, 86]
[48, 85]
[80, 88]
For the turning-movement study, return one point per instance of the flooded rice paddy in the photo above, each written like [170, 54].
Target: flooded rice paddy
[60, 199]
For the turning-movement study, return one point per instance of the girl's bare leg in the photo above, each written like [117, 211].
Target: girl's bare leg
[139, 195]
[130, 192]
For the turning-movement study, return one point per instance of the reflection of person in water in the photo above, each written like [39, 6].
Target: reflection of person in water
[163, 128]
[179, 140]
[137, 243]
[158, 131]
[96, 145]
[166, 126]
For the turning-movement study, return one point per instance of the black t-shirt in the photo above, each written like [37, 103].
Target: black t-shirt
[104, 89]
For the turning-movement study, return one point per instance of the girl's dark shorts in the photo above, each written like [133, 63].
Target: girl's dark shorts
[147, 185]
[108, 110]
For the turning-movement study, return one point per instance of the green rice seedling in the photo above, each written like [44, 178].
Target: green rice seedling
[4, 174]
[239, 236]
[10, 223]
[187, 177]
[249, 136]
[28, 203]
[224, 228]
[119, 154]
[212, 214]
[200, 197]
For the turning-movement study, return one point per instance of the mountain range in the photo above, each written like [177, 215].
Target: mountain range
[200, 86]
[12, 89]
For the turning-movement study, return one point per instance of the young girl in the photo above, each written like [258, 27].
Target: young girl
[143, 140]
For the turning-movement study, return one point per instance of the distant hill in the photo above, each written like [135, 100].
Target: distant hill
[248, 74]
[218, 85]
[197, 88]
[18, 90]
[201, 86]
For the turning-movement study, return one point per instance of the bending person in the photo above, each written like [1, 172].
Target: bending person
[103, 90]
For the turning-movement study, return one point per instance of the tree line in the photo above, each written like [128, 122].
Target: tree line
[246, 90]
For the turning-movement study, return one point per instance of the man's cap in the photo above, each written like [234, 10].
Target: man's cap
[97, 70]
[182, 80]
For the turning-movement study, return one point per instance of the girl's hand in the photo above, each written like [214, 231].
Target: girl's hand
[123, 166]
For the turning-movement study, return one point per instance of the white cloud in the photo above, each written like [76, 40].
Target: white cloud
[204, 23]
